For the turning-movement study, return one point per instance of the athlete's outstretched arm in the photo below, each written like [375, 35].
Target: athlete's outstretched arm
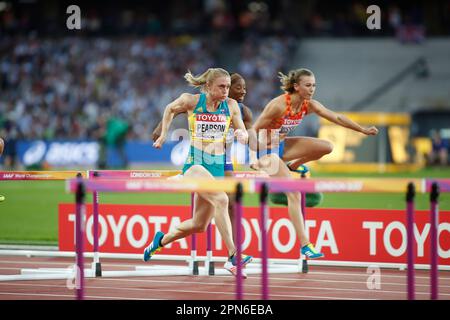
[340, 119]
[182, 104]
[271, 111]
[157, 131]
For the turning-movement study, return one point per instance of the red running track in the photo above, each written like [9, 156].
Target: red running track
[320, 283]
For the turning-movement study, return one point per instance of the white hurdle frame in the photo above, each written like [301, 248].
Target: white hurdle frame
[275, 265]
[193, 260]
[70, 273]
[95, 270]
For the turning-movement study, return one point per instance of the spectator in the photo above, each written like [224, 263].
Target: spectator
[116, 136]
[56, 88]
[10, 135]
[439, 151]
[98, 132]
[260, 59]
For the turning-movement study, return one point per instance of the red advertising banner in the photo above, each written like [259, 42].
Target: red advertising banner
[359, 235]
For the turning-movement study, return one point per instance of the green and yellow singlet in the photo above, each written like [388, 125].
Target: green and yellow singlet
[208, 131]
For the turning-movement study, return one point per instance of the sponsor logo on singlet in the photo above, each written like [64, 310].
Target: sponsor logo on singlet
[210, 126]
[289, 124]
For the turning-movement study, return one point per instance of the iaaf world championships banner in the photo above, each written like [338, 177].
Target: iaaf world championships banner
[342, 234]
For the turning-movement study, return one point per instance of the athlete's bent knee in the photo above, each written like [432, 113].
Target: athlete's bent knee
[270, 163]
[327, 147]
[200, 226]
[293, 196]
[221, 201]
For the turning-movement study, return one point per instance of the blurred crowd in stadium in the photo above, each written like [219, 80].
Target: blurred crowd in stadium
[129, 58]
[62, 88]
[233, 18]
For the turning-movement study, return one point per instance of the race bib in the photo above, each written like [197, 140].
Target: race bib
[210, 126]
[289, 125]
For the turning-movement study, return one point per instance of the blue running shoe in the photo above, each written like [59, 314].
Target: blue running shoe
[302, 169]
[230, 265]
[154, 246]
[311, 252]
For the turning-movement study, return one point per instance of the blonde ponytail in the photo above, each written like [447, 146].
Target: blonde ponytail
[201, 80]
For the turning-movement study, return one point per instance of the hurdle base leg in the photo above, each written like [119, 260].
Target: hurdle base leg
[303, 264]
[209, 263]
[97, 268]
[305, 267]
[211, 270]
[195, 270]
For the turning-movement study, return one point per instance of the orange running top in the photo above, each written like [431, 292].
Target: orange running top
[290, 120]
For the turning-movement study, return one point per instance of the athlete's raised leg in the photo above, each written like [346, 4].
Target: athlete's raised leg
[231, 203]
[300, 150]
[207, 205]
[267, 163]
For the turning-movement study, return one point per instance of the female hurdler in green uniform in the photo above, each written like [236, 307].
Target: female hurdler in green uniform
[209, 115]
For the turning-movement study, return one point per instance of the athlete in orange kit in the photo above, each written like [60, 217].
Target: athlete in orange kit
[280, 154]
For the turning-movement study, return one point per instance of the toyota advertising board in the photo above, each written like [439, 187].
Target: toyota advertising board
[358, 235]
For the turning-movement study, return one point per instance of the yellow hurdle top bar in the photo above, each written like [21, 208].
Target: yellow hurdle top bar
[376, 118]
[41, 175]
[251, 180]
[112, 174]
[370, 185]
[133, 174]
[161, 185]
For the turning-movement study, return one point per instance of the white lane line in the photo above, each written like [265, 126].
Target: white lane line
[362, 274]
[362, 282]
[35, 262]
[69, 296]
[366, 274]
[159, 290]
[270, 279]
[377, 291]
[301, 287]
[73, 262]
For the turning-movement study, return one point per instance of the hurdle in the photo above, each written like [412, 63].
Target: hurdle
[194, 260]
[120, 185]
[192, 268]
[155, 270]
[42, 273]
[434, 221]
[278, 265]
[96, 268]
[275, 185]
[434, 187]
[111, 174]
[371, 185]
[185, 185]
[40, 175]
[303, 262]
[256, 185]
